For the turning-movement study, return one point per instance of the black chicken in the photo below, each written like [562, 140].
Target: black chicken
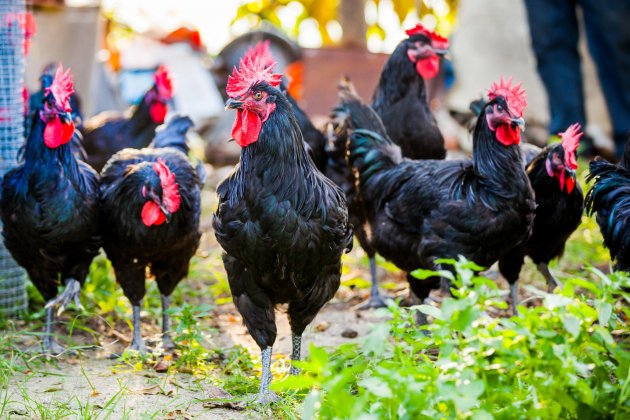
[107, 133]
[400, 98]
[50, 206]
[150, 209]
[559, 206]
[282, 224]
[420, 211]
[401, 101]
[609, 197]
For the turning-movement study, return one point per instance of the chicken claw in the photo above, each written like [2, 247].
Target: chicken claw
[552, 282]
[375, 300]
[70, 293]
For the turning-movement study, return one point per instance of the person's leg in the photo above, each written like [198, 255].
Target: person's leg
[607, 24]
[555, 33]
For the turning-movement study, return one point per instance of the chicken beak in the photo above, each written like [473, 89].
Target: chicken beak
[233, 104]
[440, 52]
[167, 214]
[520, 122]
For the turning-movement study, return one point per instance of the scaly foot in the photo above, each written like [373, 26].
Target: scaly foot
[267, 397]
[70, 293]
[375, 301]
[167, 342]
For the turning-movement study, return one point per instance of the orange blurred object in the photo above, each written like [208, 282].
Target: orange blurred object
[295, 74]
[190, 36]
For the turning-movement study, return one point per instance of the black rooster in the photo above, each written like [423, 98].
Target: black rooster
[420, 211]
[559, 207]
[282, 224]
[400, 98]
[609, 197]
[50, 206]
[107, 133]
[150, 206]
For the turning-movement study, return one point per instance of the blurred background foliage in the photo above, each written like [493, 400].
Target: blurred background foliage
[348, 22]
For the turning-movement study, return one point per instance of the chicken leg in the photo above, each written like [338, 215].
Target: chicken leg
[375, 300]
[265, 395]
[50, 345]
[514, 294]
[137, 343]
[552, 282]
[70, 293]
[296, 355]
[167, 341]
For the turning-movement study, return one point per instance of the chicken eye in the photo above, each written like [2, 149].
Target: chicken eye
[258, 96]
[499, 107]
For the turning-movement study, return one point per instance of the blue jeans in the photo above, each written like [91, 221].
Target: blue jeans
[554, 31]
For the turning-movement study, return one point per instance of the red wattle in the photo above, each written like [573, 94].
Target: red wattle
[570, 184]
[246, 128]
[57, 133]
[158, 112]
[152, 214]
[428, 67]
[508, 135]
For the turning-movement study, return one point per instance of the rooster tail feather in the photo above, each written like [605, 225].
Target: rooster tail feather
[371, 153]
[362, 116]
[609, 197]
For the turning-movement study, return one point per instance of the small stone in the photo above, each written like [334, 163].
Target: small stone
[322, 326]
[161, 366]
[349, 333]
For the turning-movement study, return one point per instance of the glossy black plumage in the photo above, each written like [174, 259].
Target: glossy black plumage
[419, 211]
[50, 218]
[128, 242]
[314, 139]
[609, 197]
[108, 132]
[283, 226]
[558, 214]
[400, 99]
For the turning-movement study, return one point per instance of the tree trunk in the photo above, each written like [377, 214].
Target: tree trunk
[351, 14]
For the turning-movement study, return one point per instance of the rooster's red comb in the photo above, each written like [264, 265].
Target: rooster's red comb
[515, 96]
[170, 190]
[261, 50]
[252, 69]
[437, 41]
[62, 87]
[163, 82]
[570, 142]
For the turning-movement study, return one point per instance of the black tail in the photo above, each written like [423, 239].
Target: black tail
[174, 134]
[362, 115]
[609, 197]
[370, 153]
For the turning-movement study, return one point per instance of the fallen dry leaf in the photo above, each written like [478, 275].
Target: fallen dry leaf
[221, 399]
[152, 390]
[322, 326]
[177, 414]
